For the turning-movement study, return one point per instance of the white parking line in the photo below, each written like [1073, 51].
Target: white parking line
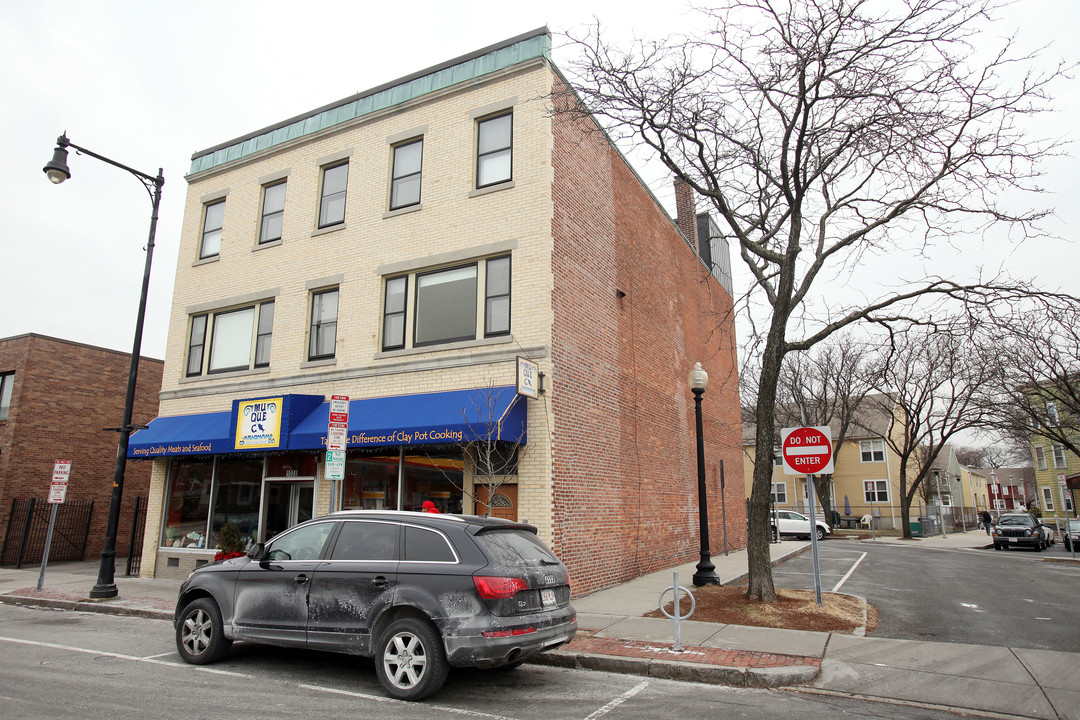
[618, 701]
[844, 579]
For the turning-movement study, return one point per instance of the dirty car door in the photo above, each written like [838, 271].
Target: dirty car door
[271, 595]
[353, 585]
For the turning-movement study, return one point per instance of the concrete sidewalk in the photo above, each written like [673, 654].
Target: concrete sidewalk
[614, 637]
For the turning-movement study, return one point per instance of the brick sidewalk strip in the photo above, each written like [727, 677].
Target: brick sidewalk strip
[585, 642]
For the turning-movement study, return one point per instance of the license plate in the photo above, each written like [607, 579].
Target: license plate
[547, 597]
[1013, 539]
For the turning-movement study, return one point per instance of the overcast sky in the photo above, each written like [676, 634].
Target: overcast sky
[149, 83]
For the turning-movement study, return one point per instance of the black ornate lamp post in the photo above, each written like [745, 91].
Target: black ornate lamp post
[58, 171]
[706, 571]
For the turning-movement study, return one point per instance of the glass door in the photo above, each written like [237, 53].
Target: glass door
[287, 503]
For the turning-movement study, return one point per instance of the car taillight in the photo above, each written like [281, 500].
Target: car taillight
[508, 633]
[498, 588]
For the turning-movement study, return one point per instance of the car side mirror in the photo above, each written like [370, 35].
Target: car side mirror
[255, 551]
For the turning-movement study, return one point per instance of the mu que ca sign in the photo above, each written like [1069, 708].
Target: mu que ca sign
[807, 450]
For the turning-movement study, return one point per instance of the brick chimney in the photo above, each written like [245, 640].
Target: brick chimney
[686, 212]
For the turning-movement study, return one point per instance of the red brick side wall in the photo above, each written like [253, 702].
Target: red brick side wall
[634, 308]
[64, 394]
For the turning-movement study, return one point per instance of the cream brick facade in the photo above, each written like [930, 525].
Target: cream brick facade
[559, 476]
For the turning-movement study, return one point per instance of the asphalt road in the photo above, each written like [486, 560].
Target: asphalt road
[59, 664]
[1008, 599]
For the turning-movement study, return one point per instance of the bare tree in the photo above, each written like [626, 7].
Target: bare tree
[938, 386]
[821, 132]
[1038, 356]
[493, 457]
[818, 387]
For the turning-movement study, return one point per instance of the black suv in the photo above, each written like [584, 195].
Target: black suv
[417, 592]
[1019, 530]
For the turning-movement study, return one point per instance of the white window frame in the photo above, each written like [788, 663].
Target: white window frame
[1051, 414]
[779, 490]
[1040, 457]
[1059, 457]
[874, 487]
[7, 382]
[873, 446]
[1048, 498]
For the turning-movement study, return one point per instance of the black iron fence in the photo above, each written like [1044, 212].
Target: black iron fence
[138, 526]
[28, 525]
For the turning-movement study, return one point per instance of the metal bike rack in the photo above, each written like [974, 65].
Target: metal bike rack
[676, 588]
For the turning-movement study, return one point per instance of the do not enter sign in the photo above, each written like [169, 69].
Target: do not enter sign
[807, 450]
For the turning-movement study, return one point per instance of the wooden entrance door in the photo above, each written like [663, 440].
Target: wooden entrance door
[503, 505]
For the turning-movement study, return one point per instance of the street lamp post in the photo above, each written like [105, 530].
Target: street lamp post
[706, 571]
[57, 170]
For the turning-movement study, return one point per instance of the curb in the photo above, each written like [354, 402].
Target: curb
[102, 608]
[774, 677]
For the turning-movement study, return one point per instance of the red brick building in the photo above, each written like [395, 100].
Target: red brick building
[57, 396]
[412, 247]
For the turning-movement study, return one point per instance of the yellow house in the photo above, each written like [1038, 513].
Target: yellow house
[866, 479]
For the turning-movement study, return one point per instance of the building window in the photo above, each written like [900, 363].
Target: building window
[441, 306]
[239, 339]
[335, 181]
[777, 457]
[7, 381]
[196, 345]
[405, 182]
[394, 313]
[446, 306]
[497, 300]
[1048, 498]
[213, 219]
[872, 450]
[999, 504]
[876, 490]
[273, 212]
[1051, 414]
[322, 338]
[1059, 456]
[494, 150]
[778, 495]
[1040, 457]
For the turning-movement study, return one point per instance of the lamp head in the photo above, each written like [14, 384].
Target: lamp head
[698, 378]
[57, 168]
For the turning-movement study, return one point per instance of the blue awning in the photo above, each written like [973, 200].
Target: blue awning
[433, 418]
[202, 434]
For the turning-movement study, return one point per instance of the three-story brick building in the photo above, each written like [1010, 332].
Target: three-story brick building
[404, 247]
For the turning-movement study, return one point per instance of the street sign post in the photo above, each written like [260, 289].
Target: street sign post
[809, 451]
[337, 438]
[57, 493]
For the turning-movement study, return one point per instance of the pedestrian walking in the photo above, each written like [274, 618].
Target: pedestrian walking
[429, 507]
[986, 521]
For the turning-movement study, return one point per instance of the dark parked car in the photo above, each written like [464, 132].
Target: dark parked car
[417, 592]
[1019, 530]
[1071, 534]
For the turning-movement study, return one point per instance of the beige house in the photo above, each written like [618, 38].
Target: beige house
[864, 484]
[368, 292]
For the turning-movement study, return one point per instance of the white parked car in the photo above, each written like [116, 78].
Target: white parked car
[789, 522]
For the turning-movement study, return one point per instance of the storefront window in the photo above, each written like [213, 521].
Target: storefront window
[437, 478]
[371, 481]
[236, 497]
[189, 503]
